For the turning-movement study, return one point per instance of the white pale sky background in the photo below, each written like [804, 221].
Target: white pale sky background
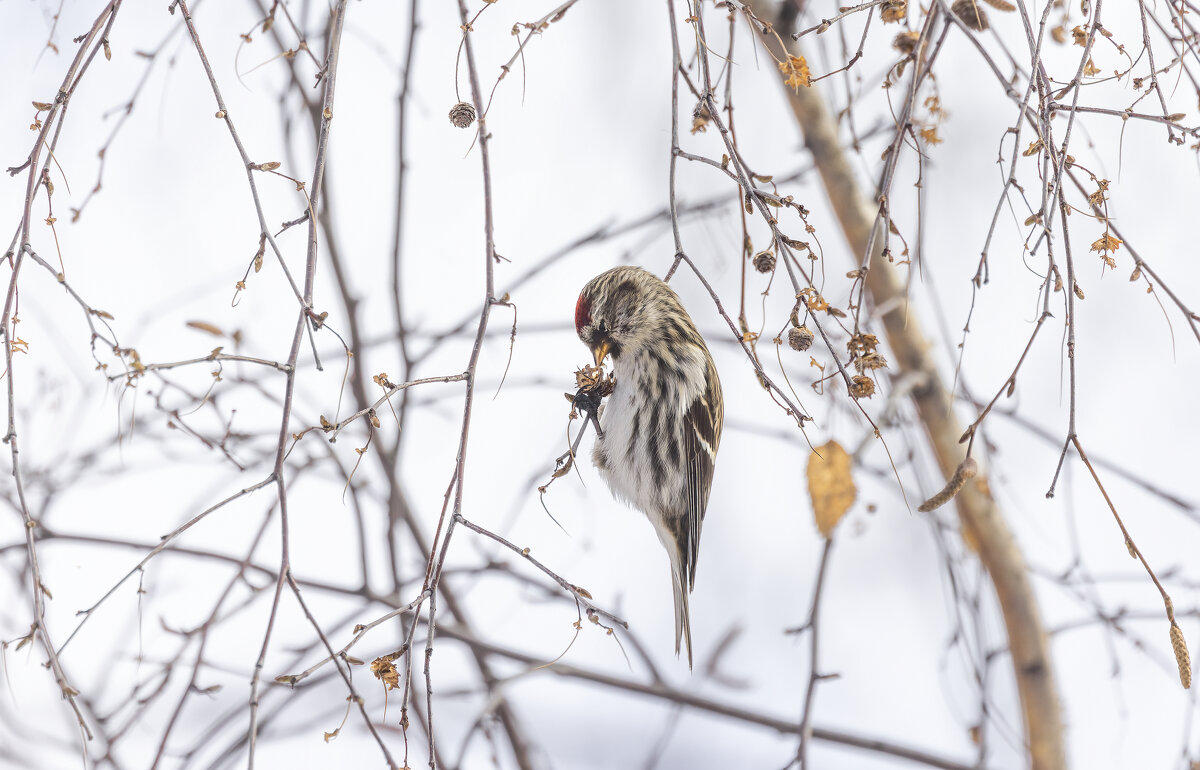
[581, 140]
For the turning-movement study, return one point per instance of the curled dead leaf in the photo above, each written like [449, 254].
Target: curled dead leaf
[830, 485]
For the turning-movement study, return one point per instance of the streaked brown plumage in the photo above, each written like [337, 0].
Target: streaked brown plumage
[662, 424]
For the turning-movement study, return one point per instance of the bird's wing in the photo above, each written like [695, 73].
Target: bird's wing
[701, 436]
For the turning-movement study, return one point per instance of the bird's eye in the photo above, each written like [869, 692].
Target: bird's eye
[603, 328]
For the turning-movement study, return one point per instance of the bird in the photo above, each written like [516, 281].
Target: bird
[660, 428]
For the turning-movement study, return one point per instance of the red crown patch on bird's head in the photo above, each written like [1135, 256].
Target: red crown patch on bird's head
[583, 312]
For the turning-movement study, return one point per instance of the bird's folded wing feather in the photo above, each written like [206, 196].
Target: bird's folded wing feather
[701, 435]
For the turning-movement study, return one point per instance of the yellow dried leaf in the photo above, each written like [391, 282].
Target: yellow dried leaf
[1090, 68]
[796, 70]
[1106, 243]
[830, 485]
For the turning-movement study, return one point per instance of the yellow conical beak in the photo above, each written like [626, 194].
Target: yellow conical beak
[600, 351]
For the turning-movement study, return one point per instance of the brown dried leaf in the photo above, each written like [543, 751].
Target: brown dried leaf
[830, 485]
[385, 671]
[204, 326]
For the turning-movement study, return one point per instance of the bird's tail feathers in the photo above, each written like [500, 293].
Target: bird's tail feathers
[680, 584]
[683, 621]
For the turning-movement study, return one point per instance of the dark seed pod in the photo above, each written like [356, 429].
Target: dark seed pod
[906, 42]
[462, 114]
[800, 338]
[969, 13]
[764, 261]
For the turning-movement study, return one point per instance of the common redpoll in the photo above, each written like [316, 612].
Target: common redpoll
[660, 428]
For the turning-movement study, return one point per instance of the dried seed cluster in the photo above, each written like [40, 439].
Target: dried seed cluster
[863, 354]
[591, 380]
[462, 114]
[764, 261]
[906, 42]
[861, 386]
[800, 338]
[893, 11]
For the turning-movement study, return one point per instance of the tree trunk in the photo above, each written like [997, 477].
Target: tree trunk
[983, 526]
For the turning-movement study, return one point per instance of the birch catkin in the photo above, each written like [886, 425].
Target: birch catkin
[965, 471]
[1181, 656]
